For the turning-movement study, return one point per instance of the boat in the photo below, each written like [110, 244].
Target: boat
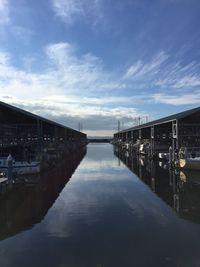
[144, 149]
[190, 163]
[163, 156]
[20, 167]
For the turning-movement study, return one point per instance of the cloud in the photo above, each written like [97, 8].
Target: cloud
[71, 11]
[4, 12]
[67, 73]
[190, 80]
[164, 72]
[64, 90]
[73, 88]
[64, 73]
[140, 69]
[61, 53]
[68, 10]
[98, 101]
[81, 73]
[180, 99]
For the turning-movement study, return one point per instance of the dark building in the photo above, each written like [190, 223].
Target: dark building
[26, 135]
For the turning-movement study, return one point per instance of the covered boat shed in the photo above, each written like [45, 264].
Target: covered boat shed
[178, 130]
[22, 132]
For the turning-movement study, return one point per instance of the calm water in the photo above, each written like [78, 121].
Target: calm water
[102, 215]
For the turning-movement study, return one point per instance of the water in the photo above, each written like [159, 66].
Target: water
[102, 215]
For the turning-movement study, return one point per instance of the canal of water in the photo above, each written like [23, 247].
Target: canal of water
[102, 209]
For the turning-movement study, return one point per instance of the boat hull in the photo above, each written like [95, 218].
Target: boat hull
[190, 163]
[21, 167]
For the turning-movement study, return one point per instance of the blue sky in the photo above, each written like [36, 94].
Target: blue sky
[97, 62]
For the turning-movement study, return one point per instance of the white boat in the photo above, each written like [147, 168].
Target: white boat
[20, 167]
[163, 156]
[144, 149]
[190, 163]
[127, 145]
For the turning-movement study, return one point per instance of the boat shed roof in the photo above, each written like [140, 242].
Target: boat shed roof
[170, 118]
[34, 116]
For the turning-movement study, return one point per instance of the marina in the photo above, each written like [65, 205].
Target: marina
[100, 133]
[89, 202]
[175, 138]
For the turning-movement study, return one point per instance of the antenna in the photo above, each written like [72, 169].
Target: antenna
[80, 127]
[118, 126]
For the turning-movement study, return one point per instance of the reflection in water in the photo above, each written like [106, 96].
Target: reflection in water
[27, 205]
[179, 189]
[105, 216]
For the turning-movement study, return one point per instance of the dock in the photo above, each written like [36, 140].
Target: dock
[30, 138]
[173, 137]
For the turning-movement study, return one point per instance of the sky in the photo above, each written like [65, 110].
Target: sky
[97, 62]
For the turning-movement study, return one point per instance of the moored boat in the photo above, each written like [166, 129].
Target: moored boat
[163, 156]
[144, 149]
[190, 163]
[20, 167]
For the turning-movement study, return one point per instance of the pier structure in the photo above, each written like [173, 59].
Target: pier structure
[175, 134]
[28, 136]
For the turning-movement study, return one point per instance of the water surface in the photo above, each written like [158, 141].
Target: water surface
[104, 215]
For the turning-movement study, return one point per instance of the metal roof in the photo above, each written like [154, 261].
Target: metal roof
[170, 118]
[34, 116]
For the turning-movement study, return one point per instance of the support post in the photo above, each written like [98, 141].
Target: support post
[152, 140]
[40, 137]
[10, 168]
[174, 140]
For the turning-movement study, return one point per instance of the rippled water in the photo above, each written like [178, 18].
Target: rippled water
[102, 215]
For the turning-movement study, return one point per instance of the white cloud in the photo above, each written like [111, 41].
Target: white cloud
[77, 73]
[62, 91]
[60, 53]
[71, 11]
[164, 72]
[68, 10]
[188, 81]
[4, 12]
[134, 69]
[65, 73]
[99, 101]
[142, 70]
[176, 100]
[74, 88]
